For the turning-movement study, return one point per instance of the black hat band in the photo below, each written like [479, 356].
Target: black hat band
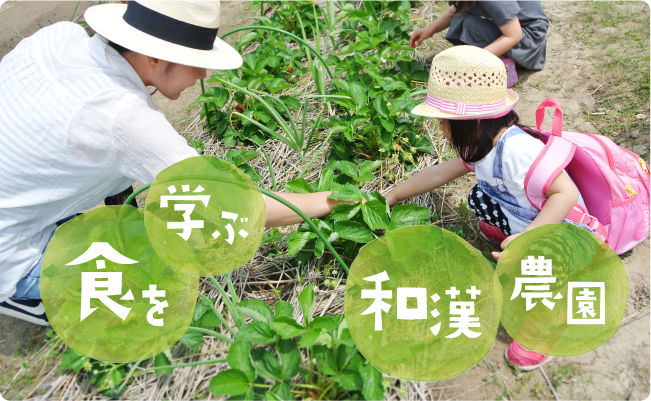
[169, 29]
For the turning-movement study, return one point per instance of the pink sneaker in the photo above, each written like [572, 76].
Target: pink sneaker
[524, 360]
[511, 73]
[491, 233]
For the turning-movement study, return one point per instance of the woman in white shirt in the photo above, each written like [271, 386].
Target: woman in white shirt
[77, 124]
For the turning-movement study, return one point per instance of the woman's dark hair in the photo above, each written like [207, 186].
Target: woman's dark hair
[461, 6]
[124, 52]
[120, 49]
[473, 139]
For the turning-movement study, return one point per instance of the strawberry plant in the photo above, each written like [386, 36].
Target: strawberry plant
[275, 357]
[349, 226]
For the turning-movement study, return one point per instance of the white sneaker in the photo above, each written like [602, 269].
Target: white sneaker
[30, 310]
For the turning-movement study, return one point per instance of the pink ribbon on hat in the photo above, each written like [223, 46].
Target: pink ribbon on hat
[463, 109]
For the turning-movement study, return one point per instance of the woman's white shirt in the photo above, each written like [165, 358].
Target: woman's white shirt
[76, 125]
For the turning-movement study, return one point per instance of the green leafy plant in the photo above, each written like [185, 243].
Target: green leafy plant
[266, 361]
[349, 226]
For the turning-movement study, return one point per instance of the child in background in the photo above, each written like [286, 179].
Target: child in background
[516, 30]
[467, 93]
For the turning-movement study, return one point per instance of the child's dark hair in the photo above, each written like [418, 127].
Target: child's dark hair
[473, 139]
[461, 6]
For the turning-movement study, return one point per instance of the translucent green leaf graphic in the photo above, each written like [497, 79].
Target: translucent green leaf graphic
[421, 257]
[204, 216]
[574, 256]
[90, 325]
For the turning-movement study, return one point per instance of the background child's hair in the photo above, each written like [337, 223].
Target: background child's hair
[473, 139]
[461, 6]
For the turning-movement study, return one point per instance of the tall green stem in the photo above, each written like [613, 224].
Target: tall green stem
[205, 106]
[310, 223]
[136, 192]
[212, 333]
[219, 315]
[271, 169]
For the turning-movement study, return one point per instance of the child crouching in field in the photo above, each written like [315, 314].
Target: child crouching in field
[467, 93]
[514, 30]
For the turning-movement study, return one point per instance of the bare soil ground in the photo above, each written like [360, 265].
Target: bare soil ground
[597, 68]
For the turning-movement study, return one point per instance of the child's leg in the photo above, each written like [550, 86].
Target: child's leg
[493, 224]
[479, 32]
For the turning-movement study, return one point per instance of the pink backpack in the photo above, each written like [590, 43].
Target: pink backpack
[613, 181]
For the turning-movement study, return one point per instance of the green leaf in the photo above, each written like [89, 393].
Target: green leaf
[256, 333]
[72, 360]
[255, 309]
[375, 215]
[381, 106]
[290, 358]
[162, 360]
[345, 338]
[204, 98]
[299, 186]
[239, 357]
[287, 327]
[365, 177]
[238, 157]
[358, 94]
[272, 236]
[409, 215]
[350, 380]
[229, 382]
[325, 359]
[306, 300]
[373, 388]
[290, 101]
[192, 339]
[325, 180]
[344, 355]
[345, 167]
[400, 105]
[280, 392]
[266, 364]
[250, 395]
[324, 322]
[341, 84]
[296, 241]
[110, 379]
[345, 211]
[278, 84]
[309, 338]
[422, 76]
[369, 166]
[220, 96]
[320, 245]
[348, 193]
[283, 308]
[388, 124]
[354, 231]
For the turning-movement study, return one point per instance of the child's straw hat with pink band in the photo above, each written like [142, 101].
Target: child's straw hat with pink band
[467, 83]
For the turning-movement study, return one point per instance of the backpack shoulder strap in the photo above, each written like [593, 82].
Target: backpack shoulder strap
[555, 156]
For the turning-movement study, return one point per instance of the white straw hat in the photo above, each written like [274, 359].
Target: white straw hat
[183, 32]
[466, 82]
